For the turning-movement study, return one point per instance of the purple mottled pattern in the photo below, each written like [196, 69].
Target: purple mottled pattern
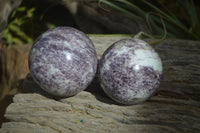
[63, 61]
[130, 71]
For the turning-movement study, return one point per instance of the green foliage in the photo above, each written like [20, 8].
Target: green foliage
[14, 33]
[179, 19]
[177, 27]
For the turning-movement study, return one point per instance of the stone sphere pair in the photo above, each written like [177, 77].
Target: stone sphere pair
[63, 62]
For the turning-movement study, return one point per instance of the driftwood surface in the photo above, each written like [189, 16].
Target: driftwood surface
[175, 108]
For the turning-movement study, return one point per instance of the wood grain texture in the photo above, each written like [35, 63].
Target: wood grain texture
[175, 108]
[13, 68]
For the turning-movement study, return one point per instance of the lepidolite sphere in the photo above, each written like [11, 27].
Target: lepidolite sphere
[63, 61]
[130, 71]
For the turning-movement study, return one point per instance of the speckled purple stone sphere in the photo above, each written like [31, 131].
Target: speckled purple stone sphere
[63, 61]
[130, 71]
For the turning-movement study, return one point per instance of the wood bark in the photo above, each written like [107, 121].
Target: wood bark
[13, 68]
[174, 108]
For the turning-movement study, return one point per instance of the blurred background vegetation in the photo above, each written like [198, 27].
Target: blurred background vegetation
[180, 17]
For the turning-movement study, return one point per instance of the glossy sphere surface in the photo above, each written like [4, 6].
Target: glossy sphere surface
[130, 71]
[63, 61]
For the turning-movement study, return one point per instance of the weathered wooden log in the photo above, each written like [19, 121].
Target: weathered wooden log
[13, 68]
[175, 108]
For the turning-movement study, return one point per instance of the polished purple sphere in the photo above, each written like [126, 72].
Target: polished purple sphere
[63, 61]
[130, 71]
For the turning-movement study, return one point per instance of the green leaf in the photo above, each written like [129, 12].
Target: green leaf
[17, 41]
[115, 6]
[30, 12]
[21, 9]
[133, 7]
[166, 16]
